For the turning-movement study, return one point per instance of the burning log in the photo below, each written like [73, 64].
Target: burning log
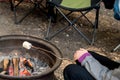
[11, 70]
[4, 69]
[24, 72]
[28, 63]
[16, 66]
[5, 64]
[23, 69]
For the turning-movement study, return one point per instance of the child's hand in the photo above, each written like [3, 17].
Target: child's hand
[79, 53]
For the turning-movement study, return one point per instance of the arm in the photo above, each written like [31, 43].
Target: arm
[97, 70]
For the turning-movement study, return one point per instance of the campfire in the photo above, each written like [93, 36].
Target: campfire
[35, 61]
[16, 64]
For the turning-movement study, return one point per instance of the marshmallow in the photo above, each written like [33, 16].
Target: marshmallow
[27, 45]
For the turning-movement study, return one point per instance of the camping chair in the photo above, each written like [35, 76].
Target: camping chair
[81, 6]
[14, 5]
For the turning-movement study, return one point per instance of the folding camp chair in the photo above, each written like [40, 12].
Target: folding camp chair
[81, 6]
[14, 5]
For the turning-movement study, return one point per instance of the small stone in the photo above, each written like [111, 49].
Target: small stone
[56, 41]
[67, 35]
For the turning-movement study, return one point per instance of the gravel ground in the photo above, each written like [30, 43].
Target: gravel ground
[108, 33]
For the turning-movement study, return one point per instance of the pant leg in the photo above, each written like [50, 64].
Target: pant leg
[105, 61]
[76, 72]
[108, 4]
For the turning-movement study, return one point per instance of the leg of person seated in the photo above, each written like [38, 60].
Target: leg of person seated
[105, 61]
[76, 72]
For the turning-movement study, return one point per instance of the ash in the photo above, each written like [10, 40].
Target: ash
[39, 66]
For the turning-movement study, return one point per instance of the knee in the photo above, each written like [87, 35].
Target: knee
[68, 71]
[71, 69]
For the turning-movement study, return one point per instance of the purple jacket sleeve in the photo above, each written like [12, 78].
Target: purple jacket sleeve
[83, 57]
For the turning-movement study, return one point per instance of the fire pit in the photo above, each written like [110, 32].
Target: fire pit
[11, 47]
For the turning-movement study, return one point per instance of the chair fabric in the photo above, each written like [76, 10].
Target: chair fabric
[81, 6]
[74, 5]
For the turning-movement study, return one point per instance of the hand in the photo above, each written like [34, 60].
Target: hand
[79, 53]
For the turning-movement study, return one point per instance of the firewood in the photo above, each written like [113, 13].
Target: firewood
[16, 66]
[1, 64]
[28, 63]
[11, 71]
[5, 64]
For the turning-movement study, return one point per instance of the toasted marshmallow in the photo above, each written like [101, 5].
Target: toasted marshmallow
[27, 45]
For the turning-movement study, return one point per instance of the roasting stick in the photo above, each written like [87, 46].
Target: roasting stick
[28, 45]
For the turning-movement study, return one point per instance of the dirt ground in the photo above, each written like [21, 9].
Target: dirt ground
[107, 36]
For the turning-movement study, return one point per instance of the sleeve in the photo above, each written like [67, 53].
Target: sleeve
[98, 71]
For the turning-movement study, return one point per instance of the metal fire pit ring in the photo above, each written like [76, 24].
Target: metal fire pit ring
[17, 40]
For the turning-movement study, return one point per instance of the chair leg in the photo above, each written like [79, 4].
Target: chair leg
[13, 8]
[11, 5]
[118, 46]
[16, 22]
[72, 24]
[83, 14]
[48, 36]
[48, 30]
[95, 25]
